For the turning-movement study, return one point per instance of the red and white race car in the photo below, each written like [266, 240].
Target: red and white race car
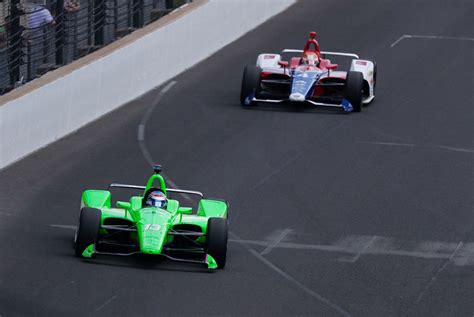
[309, 77]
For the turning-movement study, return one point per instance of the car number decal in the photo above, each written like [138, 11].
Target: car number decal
[151, 227]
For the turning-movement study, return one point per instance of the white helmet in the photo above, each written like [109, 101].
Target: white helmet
[157, 199]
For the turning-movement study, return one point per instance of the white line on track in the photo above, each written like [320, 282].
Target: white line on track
[388, 143]
[106, 302]
[361, 252]
[455, 149]
[430, 37]
[435, 277]
[63, 226]
[278, 170]
[293, 159]
[398, 40]
[275, 242]
[433, 146]
[141, 132]
[143, 122]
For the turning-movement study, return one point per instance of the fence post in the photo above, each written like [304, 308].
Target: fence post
[99, 21]
[115, 19]
[59, 35]
[137, 11]
[14, 52]
[44, 31]
[74, 36]
[28, 65]
[90, 24]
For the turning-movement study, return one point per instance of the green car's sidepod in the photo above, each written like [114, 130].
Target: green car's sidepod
[132, 227]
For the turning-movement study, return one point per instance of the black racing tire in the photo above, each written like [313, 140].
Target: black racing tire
[216, 240]
[88, 229]
[250, 84]
[354, 89]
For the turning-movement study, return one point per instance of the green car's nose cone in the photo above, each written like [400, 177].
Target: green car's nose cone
[152, 227]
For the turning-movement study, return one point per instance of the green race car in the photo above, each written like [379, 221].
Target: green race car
[145, 225]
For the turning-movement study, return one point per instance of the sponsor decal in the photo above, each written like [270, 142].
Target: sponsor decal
[346, 105]
[268, 56]
[361, 63]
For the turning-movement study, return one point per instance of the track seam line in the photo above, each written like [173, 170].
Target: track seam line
[435, 277]
[106, 302]
[361, 252]
[275, 242]
[430, 146]
[293, 159]
[141, 127]
[430, 37]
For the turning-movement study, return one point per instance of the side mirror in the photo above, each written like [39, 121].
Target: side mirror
[185, 210]
[123, 204]
[331, 66]
[283, 64]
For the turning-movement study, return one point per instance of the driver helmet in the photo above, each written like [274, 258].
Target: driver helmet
[310, 58]
[157, 199]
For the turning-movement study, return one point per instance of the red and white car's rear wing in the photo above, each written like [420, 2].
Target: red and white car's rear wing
[323, 53]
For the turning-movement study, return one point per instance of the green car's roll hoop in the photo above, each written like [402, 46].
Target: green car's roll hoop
[174, 232]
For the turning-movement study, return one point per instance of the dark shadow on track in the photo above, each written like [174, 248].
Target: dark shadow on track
[294, 108]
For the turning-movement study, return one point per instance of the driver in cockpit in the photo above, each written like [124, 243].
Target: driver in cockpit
[157, 199]
[310, 59]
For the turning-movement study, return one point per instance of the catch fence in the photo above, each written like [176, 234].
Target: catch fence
[36, 37]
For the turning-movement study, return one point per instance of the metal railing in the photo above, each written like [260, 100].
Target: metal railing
[38, 37]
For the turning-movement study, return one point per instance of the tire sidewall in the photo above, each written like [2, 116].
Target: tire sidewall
[88, 229]
[354, 87]
[216, 240]
[250, 83]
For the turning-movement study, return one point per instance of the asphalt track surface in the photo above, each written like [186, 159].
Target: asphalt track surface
[366, 214]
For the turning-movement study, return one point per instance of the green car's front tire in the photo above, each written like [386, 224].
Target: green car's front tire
[88, 229]
[216, 240]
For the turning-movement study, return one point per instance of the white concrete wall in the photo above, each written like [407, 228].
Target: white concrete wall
[61, 107]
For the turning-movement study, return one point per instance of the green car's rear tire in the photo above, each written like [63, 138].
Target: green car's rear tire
[88, 229]
[354, 89]
[216, 240]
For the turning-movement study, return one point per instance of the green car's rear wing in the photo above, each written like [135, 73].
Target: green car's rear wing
[144, 188]
[207, 207]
